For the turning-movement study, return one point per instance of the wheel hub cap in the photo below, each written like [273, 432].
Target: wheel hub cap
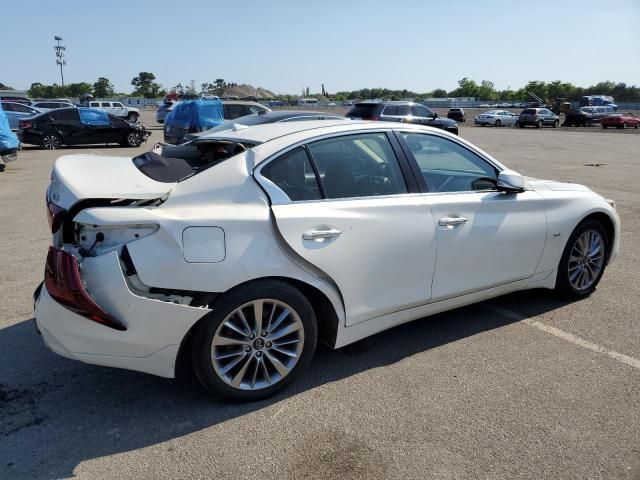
[257, 344]
[586, 260]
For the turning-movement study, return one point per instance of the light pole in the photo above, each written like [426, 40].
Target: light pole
[60, 60]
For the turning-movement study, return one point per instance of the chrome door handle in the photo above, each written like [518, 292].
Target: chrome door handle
[451, 221]
[321, 235]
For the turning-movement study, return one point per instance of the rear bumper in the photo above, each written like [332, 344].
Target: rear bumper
[154, 331]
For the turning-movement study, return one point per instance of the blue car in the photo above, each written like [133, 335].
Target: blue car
[190, 117]
[9, 143]
[17, 111]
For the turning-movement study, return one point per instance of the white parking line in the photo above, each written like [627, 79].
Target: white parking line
[569, 337]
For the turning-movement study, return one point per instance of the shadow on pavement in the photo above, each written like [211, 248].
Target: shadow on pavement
[56, 413]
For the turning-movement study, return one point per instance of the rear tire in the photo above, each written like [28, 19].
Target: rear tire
[624, 125]
[539, 124]
[582, 264]
[251, 365]
[604, 126]
[498, 123]
[50, 141]
[521, 125]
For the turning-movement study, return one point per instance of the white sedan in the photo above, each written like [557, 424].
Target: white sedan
[497, 118]
[238, 252]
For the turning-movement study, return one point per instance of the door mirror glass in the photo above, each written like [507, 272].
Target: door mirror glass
[510, 181]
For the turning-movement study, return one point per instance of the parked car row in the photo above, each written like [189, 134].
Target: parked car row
[405, 112]
[231, 109]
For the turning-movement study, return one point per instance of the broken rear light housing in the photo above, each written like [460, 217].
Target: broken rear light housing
[55, 216]
[63, 282]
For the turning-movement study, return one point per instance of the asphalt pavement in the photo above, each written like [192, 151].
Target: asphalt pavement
[525, 386]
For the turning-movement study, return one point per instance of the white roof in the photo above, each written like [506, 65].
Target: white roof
[269, 131]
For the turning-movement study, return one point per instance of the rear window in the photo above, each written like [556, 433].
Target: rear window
[529, 111]
[362, 110]
[65, 115]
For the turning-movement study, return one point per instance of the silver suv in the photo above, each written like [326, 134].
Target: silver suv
[538, 117]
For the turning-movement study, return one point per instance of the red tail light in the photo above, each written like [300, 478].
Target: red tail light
[55, 216]
[63, 282]
[24, 124]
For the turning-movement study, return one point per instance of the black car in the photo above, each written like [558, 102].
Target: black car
[79, 126]
[456, 114]
[408, 112]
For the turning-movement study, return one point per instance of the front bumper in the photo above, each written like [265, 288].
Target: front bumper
[154, 331]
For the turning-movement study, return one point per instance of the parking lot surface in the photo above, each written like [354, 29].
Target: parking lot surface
[523, 386]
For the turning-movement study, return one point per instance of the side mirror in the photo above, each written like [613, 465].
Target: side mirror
[510, 181]
[435, 115]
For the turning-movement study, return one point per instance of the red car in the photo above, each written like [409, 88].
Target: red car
[621, 120]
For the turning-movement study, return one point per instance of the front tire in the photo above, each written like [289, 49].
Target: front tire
[133, 139]
[583, 261]
[258, 339]
[50, 141]
[556, 124]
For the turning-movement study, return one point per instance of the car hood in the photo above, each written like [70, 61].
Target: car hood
[538, 185]
[80, 177]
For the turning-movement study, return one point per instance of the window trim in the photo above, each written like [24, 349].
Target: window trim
[278, 197]
[422, 183]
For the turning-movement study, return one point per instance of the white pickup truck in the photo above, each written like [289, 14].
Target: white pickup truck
[116, 108]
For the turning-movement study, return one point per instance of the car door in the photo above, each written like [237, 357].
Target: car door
[118, 109]
[485, 238]
[95, 128]
[423, 116]
[66, 123]
[348, 205]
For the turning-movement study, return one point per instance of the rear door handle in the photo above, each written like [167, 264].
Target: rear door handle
[321, 234]
[451, 221]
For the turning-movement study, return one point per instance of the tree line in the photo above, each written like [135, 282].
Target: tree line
[485, 90]
[145, 85]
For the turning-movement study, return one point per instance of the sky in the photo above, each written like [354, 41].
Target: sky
[284, 45]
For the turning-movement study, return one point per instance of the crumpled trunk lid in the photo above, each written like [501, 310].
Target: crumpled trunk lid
[78, 177]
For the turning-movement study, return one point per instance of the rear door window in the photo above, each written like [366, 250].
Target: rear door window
[404, 110]
[94, 104]
[390, 110]
[362, 111]
[417, 111]
[66, 115]
[359, 165]
[234, 111]
[294, 175]
[106, 105]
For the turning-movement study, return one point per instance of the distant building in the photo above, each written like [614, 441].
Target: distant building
[14, 93]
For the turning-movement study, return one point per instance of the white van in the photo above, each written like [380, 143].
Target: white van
[117, 109]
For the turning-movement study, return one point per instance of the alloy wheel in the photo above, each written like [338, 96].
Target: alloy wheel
[586, 260]
[134, 139]
[50, 142]
[258, 344]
